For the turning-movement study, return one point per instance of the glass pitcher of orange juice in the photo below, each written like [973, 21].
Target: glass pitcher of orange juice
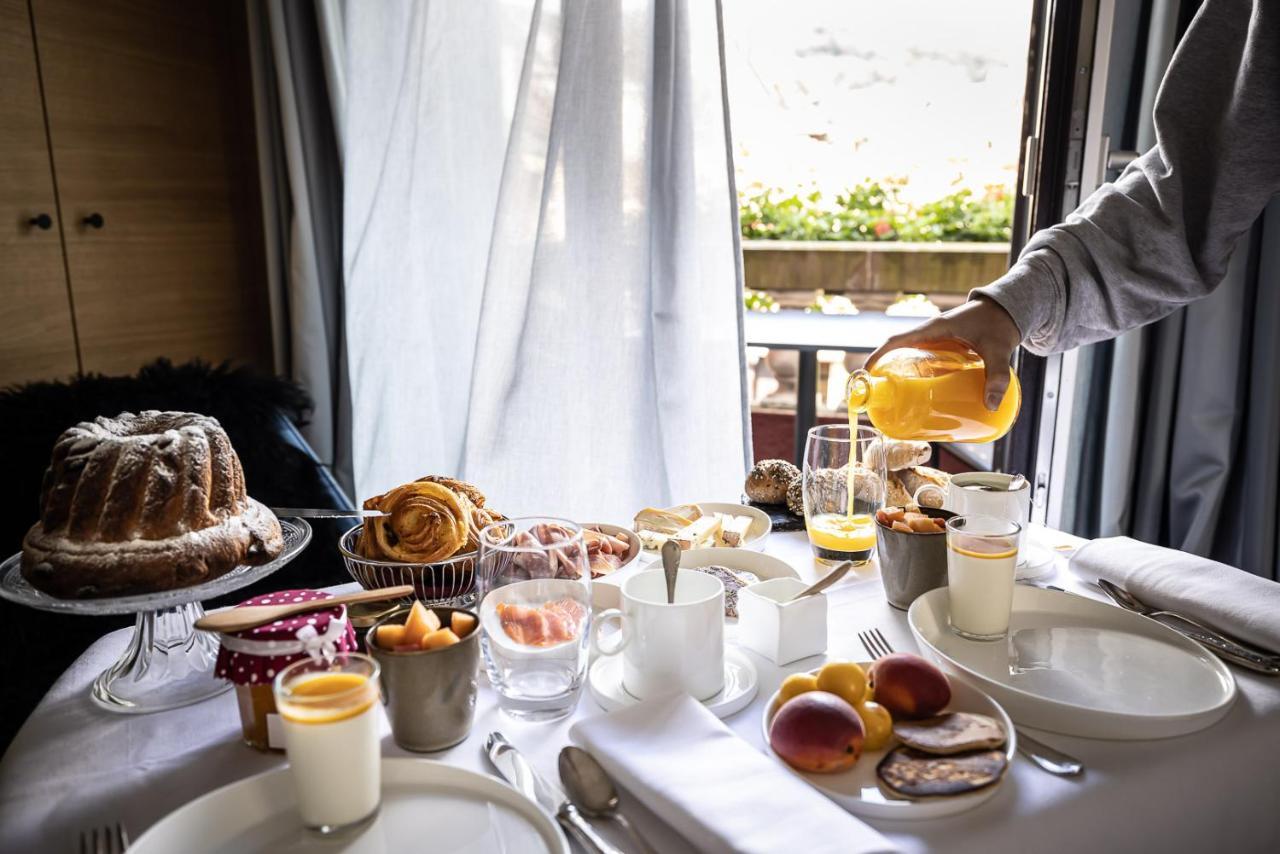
[932, 395]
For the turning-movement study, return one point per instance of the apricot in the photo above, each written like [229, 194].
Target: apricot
[910, 687]
[877, 724]
[795, 685]
[845, 679]
[817, 732]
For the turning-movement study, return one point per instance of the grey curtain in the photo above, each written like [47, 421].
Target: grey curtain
[300, 164]
[1178, 442]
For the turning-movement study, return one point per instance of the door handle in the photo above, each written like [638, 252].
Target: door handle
[43, 221]
[94, 220]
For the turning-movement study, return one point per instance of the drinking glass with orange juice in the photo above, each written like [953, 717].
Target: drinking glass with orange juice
[932, 395]
[332, 717]
[842, 492]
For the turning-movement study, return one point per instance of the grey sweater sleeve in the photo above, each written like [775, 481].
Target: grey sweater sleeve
[1162, 234]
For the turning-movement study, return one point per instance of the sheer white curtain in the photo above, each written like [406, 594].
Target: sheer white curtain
[542, 270]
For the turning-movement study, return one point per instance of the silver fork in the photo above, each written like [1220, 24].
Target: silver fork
[104, 840]
[1045, 757]
[875, 644]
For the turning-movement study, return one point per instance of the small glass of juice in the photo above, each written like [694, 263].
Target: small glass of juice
[331, 715]
[843, 487]
[982, 556]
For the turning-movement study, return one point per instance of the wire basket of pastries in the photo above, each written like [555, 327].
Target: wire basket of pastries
[428, 538]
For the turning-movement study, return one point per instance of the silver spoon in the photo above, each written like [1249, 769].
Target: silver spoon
[591, 790]
[1017, 483]
[670, 566]
[1048, 758]
[825, 581]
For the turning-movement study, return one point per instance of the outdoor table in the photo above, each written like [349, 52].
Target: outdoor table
[808, 333]
[73, 765]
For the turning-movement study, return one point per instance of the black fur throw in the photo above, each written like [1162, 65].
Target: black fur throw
[248, 403]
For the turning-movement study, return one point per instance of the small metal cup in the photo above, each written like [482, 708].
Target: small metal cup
[912, 564]
[430, 695]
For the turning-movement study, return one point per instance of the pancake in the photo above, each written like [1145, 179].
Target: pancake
[952, 732]
[909, 773]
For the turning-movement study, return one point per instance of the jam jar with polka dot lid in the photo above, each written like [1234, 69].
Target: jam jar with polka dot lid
[250, 659]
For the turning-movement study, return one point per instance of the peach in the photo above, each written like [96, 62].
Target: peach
[462, 623]
[439, 639]
[817, 731]
[910, 687]
[421, 623]
[389, 636]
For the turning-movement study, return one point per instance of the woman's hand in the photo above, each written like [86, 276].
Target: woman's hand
[980, 324]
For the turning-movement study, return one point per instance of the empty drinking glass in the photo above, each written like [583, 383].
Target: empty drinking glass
[535, 610]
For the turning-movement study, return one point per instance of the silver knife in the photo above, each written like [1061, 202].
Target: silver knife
[1219, 644]
[517, 771]
[318, 513]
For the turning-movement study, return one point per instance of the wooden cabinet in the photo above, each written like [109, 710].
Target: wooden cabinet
[149, 145]
[37, 338]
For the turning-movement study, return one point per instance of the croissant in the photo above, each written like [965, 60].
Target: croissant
[426, 522]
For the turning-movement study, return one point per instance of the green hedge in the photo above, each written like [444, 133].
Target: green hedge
[875, 212]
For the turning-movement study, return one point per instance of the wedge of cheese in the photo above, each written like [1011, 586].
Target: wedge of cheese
[702, 532]
[661, 521]
[733, 529]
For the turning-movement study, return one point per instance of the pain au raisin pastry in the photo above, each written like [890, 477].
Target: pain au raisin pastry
[143, 503]
[429, 520]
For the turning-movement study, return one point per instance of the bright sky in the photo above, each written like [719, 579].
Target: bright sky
[833, 92]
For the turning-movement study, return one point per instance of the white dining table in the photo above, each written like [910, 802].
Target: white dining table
[73, 766]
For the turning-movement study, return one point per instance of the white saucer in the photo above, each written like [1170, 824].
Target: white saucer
[740, 684]
[1033, 562]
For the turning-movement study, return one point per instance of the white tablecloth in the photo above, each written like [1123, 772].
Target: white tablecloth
[73, 765]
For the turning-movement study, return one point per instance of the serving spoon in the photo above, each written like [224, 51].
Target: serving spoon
[591, 790]
[238, 619]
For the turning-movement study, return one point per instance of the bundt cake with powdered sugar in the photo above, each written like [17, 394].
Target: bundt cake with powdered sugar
[144, 503]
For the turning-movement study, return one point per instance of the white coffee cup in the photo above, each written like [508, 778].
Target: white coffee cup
[667, 647]
[982, 493]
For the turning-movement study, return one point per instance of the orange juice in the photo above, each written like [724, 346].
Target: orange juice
[933, 396]
[843, 536]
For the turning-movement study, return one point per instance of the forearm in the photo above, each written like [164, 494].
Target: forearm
[1162, 234]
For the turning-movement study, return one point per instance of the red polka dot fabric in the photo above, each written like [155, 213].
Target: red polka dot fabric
[261, 665]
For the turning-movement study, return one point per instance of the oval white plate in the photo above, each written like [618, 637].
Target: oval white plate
[740, 684]
[858, 789]
[1081, 667]
[453, 808]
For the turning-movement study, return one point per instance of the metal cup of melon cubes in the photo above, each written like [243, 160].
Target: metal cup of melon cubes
[430, 695]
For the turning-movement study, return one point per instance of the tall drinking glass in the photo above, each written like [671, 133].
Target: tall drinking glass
[331, 716]
[982, 557]
[843, 487]
[535, 609]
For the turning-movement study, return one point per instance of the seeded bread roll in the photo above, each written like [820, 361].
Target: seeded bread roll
[769, 480]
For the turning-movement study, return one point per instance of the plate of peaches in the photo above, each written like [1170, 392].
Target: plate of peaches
[895, 738]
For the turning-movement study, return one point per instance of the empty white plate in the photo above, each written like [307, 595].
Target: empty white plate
[1077, 666]
[425, 806]
[740, 684]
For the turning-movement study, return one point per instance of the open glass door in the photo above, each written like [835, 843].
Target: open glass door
[1064, 157]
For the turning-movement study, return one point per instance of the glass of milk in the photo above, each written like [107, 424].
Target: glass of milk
[331, 716]
[982, 556]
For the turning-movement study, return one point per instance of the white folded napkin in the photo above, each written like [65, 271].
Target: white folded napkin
[716, 790]
[1235, 602]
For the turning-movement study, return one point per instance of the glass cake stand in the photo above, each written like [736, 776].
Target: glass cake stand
[167, 663]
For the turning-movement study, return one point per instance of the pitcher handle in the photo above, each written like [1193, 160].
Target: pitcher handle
[624, 632]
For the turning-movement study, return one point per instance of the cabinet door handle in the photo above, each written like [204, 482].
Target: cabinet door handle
[43, 221]
[94, 220]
